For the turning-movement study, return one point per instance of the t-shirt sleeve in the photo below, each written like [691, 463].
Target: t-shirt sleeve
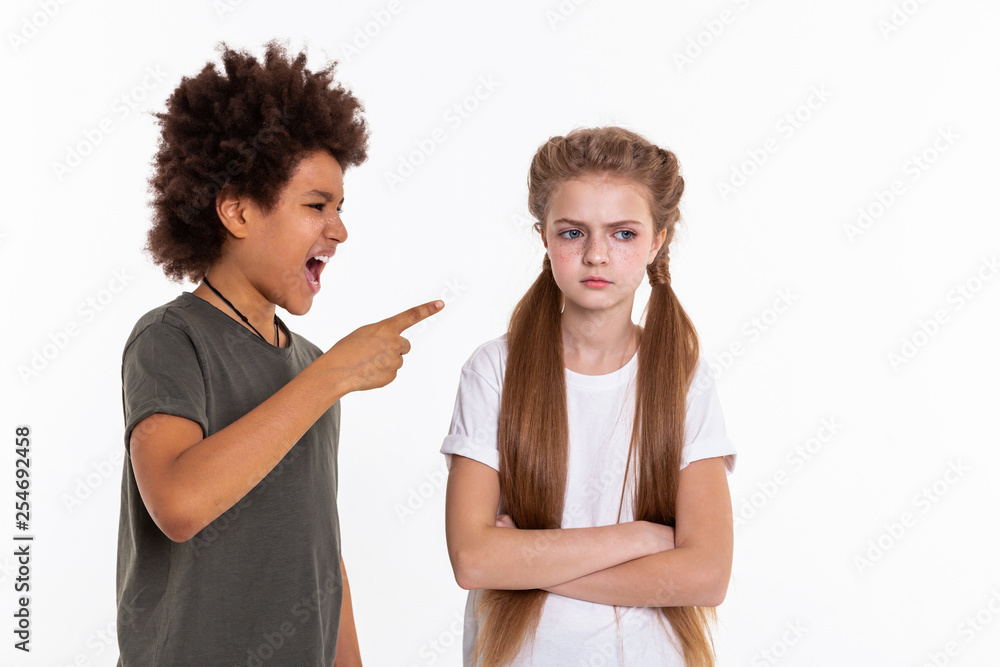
[705, 427]
[473, 431]
[161, 373]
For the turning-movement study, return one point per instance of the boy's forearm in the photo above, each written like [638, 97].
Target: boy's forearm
[348, 648]
[213, 474]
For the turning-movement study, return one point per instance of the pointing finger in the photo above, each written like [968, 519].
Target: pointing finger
[408, 318]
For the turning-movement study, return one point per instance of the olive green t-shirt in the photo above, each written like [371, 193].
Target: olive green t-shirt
[260, 585]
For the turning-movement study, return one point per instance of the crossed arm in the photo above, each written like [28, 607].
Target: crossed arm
[633, 564]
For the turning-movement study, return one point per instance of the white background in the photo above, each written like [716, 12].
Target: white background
[851, 95]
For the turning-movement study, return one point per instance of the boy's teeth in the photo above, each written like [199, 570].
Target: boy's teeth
[322, 258]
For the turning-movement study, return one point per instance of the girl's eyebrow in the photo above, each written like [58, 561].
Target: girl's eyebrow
[579, 223]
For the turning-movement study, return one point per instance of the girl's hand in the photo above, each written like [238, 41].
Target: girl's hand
[658, 537]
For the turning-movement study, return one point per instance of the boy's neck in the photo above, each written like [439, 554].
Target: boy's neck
[239, 291]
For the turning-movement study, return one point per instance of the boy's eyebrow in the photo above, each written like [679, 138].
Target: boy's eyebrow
[321, 193]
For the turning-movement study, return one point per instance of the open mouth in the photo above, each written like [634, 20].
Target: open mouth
[314, 267]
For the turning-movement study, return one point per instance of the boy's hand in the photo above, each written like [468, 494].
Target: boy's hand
[372, 354]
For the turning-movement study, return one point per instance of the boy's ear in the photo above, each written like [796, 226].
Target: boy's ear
[230, 209]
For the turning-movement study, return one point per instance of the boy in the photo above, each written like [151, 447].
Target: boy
[229, 540]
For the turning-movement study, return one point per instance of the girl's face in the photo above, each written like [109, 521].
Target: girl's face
[305, 224]
[599, 237]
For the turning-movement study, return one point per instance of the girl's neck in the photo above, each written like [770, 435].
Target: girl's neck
[598, 342]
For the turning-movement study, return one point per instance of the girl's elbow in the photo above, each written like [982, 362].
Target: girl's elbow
[716, 596]
[716, 587]
[707, 585]
[464, 581]
[466, 564]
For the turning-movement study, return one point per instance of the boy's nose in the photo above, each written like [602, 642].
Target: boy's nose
[336, 230]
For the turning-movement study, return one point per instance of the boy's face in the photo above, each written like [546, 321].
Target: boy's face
[281, 249]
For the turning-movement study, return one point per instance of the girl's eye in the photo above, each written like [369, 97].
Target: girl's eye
[570, 231]
[630, 234]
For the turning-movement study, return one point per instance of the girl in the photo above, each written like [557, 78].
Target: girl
[229, 538]
[588, 509]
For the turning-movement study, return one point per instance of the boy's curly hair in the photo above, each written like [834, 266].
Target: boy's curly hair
[245, 130]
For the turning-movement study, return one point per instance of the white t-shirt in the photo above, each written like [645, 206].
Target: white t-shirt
[601, 409]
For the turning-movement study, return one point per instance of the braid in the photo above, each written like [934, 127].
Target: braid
[659, 270]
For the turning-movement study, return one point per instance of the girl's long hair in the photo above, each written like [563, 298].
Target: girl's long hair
[533, 431]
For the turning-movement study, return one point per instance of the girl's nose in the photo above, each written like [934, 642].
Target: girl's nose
[596, 252]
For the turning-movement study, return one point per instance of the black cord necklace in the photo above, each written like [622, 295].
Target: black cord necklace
[244, 317]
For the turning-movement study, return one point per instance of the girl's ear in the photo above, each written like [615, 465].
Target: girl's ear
[230, 208]
[540, 228]
[657, 244]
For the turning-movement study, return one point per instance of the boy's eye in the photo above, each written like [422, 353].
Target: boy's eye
[320, 207]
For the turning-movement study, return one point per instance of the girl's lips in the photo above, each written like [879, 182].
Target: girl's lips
[595, 282]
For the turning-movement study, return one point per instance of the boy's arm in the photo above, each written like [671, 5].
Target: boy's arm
[695, 572]
[348, 650]
[486, 556]
[187, 480]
